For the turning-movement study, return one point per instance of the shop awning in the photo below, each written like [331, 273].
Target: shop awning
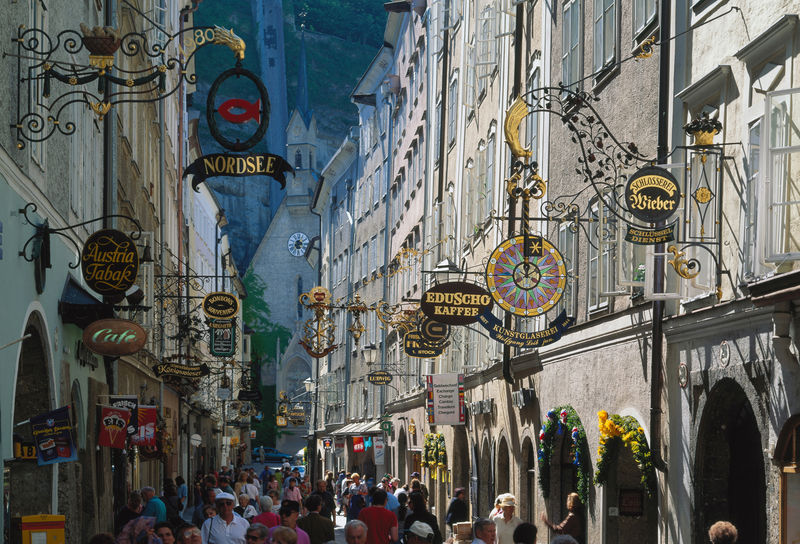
[363, 427]
[79, 307]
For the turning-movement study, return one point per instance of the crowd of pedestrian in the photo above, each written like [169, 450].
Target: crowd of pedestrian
[281, 507]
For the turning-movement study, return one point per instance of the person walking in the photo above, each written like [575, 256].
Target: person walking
[458, 510]
[257, 534]
[318, 527]
[267, 517]
[225, 527]
[292, 492]
[328, 503]
[723, 532]
[153, 506]
[189, 534]
[382, 523]
[419, 533]
[571, 525]
[183, 492]
[199, 515]
[355, 532]
[525, 533]
[420, 513]
[507, 522]
[289, 513]
[245, 509]
[128, 512]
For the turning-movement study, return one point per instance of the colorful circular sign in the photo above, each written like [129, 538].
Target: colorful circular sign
[652, 194]
[114, 337]
[456, 302]
[109, 262]
[526, 275]
[220, 305]
[238, 111]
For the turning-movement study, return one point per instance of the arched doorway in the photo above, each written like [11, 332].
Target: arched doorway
[729, 466]
[31, 486]
[503, 461]
[486, 481]
[528, 480]
[402, 455]
[564, 474]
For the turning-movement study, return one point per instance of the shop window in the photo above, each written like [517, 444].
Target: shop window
[644, 13]
[601, 256]
[605, 33]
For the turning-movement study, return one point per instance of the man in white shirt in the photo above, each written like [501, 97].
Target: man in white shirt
[484, 531]
[506, 522]
[225, 527]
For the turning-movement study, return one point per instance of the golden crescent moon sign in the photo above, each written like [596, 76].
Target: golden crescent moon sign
[514, 116]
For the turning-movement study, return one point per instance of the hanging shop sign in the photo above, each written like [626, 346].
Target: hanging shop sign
[445, 399]
[220, 305]
[24, 450]
[245, 394]
[113, 427]
[281, 421]
[379, 377]
[645, 237]
[114, 337]
[414, 345]
[130, 403]
[223, 341]
[652, 194]
[387, 426]
[226, 164]
[380, 450]
[525, 340]
[146, 434]
[433, 332]
[52, 434]
[327, 443]
[109, 262]
[181, 370]
[358, 443]
[526, 275]
[257, 110]
[455, 302]
[296, 415]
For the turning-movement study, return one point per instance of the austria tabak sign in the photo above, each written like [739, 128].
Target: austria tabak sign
[456, 303]
[109, 262]
[114, 337]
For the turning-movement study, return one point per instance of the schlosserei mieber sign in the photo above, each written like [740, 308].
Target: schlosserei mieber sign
[652, 194]
[456, 302]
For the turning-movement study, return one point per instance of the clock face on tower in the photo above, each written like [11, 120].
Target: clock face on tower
[298, 244]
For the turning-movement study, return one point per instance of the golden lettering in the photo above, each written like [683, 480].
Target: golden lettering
[251, 165]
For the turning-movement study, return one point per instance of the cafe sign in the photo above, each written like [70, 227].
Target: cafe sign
[652, 194]
[379, 377]
[456, 302]
[109, 262]
[220, 305]
[114, 337]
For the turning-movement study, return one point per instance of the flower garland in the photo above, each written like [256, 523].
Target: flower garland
[434, 453]
[618, 431]
[558, 420]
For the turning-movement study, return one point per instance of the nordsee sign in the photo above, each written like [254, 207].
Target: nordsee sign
[456, 303]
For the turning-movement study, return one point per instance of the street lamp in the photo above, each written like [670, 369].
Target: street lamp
[308, 383]
[370, 354]
[447, 271]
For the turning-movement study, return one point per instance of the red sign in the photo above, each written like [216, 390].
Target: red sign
[113, 427]
[358, 443]
[146, 435]
[252, 110]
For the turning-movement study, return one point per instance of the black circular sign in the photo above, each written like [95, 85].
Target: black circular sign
[258, 110]
[220, 305]
[456, 302]
[652, 194]
[434, 333]
[109, 262]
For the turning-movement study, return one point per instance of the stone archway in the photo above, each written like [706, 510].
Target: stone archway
[503, 470]
[402, 456]
[729, 466]
[527, 480]
[31, 486]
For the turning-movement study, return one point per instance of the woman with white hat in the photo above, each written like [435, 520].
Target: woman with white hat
[506, 522]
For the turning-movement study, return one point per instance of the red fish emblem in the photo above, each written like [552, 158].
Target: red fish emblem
[252, 110]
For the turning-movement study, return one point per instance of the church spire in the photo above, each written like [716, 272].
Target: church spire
[302, 80]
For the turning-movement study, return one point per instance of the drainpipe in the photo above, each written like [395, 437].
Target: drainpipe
[656, 360]
[312, 457]
[388, 174]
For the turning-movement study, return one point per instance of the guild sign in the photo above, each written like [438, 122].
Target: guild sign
[109, 262]
[223, 341]
[114, 337]
[433, 332]
[526, 275]
[415, 345]
[258, 111]
[220, 305]
[327, 443]
[231, 165]
[181, 370]
[379, 377]
[456, 302]
[652, 194]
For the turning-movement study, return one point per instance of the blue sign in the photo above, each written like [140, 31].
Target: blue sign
[52, 433]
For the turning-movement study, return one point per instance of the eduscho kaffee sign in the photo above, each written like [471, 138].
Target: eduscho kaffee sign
[114, 337]
[652, 194]
[220, 305]
[109, 262]
[456, 302]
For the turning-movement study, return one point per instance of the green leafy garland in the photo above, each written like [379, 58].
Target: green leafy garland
[434, 451]
[618, 431]
[559, 420]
